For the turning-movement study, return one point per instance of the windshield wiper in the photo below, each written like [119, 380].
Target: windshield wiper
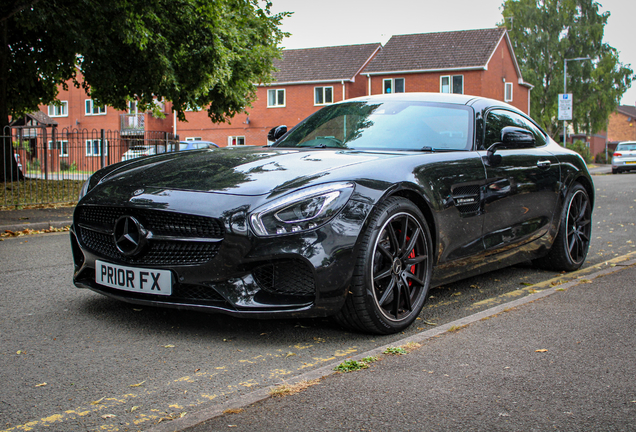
[437, 150]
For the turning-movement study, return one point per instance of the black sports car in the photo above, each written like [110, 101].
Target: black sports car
[354, 213]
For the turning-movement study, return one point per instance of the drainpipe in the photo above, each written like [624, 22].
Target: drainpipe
[369, 80]
[174, 122]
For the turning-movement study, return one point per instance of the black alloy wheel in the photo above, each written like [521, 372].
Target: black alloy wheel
[399, 265]
[393, 273]
[572, 243]
[579, 226]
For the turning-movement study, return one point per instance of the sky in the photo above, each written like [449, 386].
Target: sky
[347, 22]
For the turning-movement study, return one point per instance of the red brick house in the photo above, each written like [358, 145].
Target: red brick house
[306, 80]
[477, 62]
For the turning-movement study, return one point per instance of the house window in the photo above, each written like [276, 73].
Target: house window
[61, 145]
[275, 98]
[508, 93]
[393, 85]
[323, 95]
[92, 109]
[236, 140]
[451, 84]
[93, 147]
[193, 139]
[59, 110]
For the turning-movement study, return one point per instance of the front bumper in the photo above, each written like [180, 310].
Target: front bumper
[304, 274]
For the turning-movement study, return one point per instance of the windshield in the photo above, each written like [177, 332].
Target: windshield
[401, 125]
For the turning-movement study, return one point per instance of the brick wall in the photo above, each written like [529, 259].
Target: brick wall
[299, 103]
[620, 128]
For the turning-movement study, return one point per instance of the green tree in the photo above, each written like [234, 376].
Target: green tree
[195, 53]
[544, 33]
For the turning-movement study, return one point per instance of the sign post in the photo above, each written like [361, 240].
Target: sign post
[565, 110]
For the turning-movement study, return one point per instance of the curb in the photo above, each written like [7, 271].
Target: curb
[36, 226]
[243, 401]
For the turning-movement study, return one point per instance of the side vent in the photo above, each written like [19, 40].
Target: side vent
[467, 199]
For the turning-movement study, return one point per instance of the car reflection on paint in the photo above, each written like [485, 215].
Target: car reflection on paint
[355, 213]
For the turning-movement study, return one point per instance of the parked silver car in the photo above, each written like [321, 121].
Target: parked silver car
[624, 158]
[142, 150]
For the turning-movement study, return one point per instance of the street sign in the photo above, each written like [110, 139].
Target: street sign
[565, 106]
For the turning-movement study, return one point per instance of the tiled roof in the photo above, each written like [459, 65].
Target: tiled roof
[628, 110]
[435, 51]
[323, 64]
[39, 117]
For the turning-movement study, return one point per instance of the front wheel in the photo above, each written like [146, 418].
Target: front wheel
[570, 247]
[393, 271]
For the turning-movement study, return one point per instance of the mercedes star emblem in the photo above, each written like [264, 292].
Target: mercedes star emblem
[130, 235]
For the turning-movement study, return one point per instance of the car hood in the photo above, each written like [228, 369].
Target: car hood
[238, 171]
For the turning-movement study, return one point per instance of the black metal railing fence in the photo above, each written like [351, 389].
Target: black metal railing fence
[51, 166]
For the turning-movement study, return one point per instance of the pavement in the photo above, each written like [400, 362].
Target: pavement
[35, 219]
[560, 359]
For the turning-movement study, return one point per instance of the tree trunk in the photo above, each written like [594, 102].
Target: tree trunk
[8, 166]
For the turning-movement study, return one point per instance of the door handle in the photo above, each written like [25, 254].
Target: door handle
[544, 164]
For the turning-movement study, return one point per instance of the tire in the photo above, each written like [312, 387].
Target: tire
[393, 270]
[615, 171]
[572, 243]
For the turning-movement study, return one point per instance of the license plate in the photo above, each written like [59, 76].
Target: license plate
[134, 279]
[630, 162]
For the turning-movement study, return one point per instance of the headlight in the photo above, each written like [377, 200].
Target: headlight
[302, 210]
[84, 189]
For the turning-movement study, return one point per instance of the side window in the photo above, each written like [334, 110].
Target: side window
[499, 119]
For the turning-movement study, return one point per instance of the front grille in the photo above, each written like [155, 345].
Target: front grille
[95, 226]
[158, 221]
[285, 277]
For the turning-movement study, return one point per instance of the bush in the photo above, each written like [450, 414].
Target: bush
[64, 166]
[33, 165]
[600, 158]
[581, 148]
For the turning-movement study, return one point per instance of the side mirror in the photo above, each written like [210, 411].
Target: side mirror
[516, 137]
[276, 132]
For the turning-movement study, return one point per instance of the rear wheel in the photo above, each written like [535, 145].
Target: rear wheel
[393, 271]
[570, 247]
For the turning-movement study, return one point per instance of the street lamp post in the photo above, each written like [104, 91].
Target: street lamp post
[565, 81]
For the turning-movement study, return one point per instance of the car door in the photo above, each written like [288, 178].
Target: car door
[522, 185]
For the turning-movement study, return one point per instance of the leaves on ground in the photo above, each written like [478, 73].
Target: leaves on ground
[40, 385]
[287, 389]
[138, 384]
[27, 231]
[541, 350]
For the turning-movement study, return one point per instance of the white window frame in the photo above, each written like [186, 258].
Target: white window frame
[62, 109]
[89, 147]
[276, 93]
[450, 83]
[193, 139]
[62, 146]
[90, 108]
[323, 92]
[392, 85]
[237, 138]
[508, 92]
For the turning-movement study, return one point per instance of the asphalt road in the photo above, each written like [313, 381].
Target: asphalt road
[71, 359]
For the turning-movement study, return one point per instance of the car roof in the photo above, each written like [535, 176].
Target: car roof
[459, 99]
